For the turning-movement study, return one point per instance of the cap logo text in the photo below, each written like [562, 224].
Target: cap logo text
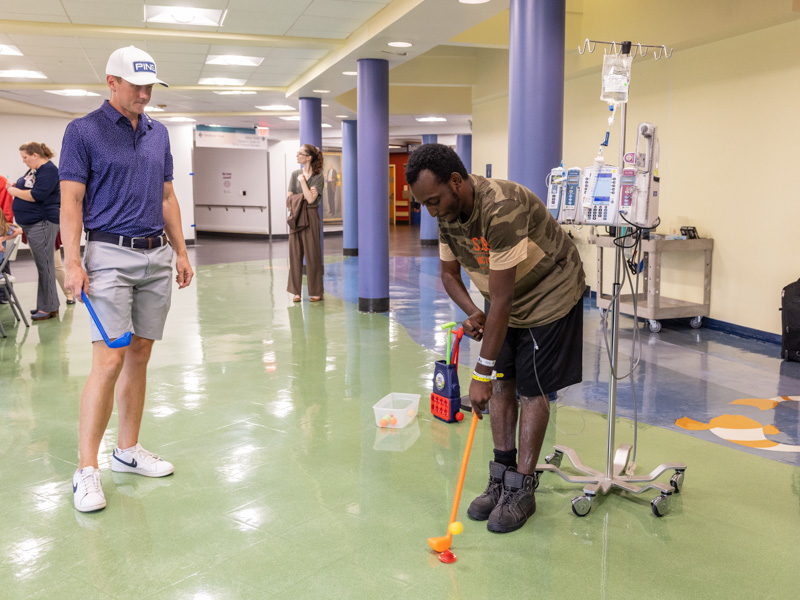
[147, 67]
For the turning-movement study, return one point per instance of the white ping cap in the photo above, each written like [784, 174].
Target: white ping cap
[134, 66]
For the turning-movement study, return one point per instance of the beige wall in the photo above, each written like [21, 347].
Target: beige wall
[728, 124]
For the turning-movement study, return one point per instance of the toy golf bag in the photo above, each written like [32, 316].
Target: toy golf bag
[446, 396]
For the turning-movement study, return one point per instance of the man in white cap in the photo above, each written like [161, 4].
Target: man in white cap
[116, 183]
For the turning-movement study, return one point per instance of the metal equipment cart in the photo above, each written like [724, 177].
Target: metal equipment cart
[651, 305]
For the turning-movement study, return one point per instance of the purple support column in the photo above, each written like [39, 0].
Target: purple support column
[536, 91]
[464, 150]
[311, 133]
[428, 226]
[373, 185]
[350, 187]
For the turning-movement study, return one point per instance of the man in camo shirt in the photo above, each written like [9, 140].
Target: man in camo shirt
[522, 262]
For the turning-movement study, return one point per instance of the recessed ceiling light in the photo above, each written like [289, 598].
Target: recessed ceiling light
[295, 118]
[342, 116]
[234, 59]
[220, 81]
[181, 120]
[235, 92]
[321, 91]
[473, 1]
[21, 74]
[324, 105]
[211, 125]
[76, 93]
[350, 73]
[431, 119]
[183, 15]
[153, 109]
[276, 107]
[400, 44]
[8, 50]
[326, 125]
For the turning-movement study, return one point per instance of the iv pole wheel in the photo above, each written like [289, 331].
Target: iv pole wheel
[660, 505]
[655, 326]
[581, 505]
[554, 458]
[696, 322]
[677, 481]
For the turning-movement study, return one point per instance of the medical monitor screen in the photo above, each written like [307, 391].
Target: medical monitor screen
[602, 191]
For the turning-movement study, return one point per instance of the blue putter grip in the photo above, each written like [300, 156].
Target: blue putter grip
[120, 342]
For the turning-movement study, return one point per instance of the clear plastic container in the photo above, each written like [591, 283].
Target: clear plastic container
[395, 411]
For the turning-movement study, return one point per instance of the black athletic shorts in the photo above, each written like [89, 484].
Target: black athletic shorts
[557, 349]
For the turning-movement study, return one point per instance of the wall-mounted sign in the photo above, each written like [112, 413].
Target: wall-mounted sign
[228, 137]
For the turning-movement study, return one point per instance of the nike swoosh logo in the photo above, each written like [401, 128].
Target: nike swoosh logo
[131, 464]
[74, 487]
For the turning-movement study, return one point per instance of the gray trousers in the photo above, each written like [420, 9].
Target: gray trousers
[42, 240]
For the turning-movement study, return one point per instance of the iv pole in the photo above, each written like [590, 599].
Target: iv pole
[617, 474]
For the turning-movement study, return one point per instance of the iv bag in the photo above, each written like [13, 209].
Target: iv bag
[616, 78]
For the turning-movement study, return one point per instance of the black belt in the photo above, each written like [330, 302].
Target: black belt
[140, 243]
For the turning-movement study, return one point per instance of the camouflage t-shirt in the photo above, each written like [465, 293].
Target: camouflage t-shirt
[510, 226]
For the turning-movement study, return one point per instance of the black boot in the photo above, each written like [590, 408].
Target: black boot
[516, 504]
[484, 504]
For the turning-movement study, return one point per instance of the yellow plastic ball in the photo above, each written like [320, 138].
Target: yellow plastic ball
[455, 527]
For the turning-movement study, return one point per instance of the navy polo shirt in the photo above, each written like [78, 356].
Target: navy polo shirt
[124, 171]
[46, 194]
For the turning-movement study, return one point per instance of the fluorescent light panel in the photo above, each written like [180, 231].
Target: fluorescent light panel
[235, 92]
[181, 120]
[276, 107]
[295, 118]
[8, 50]
[74, 93]
[153, 109]
[431, 119]
[321, 91]
[178, 15]
[22, 74]
[234, 59]
[400, 44]
[220, 81]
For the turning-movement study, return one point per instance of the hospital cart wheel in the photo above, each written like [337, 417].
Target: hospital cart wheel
[581, 505]
[655, 326]
[660, 505]
[677, 481]
[696, 322]
[554, 459]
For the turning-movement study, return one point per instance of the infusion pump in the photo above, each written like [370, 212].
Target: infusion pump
[601, 205]
[564, 189]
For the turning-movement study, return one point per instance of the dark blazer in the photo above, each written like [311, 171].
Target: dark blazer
[298, 212]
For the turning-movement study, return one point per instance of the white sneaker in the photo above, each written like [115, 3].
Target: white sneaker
[87, 490]
[140, 461]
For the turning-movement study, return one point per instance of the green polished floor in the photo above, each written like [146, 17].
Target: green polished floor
[285, 488]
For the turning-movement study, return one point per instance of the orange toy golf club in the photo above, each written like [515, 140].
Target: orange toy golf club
[441, 544]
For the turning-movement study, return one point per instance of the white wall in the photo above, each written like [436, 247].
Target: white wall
[282, 161]
[247, 187]
[181, 139]
[20, 129]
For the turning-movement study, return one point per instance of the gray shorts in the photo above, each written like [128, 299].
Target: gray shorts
[130, 290]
